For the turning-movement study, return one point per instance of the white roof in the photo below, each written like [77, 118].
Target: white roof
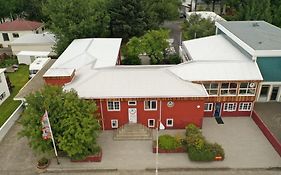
[39, 63]
[217, 71]
[100, 52]
[33, 53]
[43, 38]
[215, 47]
[131, 82]
[53, 72]
[2, 70]
[206, 14]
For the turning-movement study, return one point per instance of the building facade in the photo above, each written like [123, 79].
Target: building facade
[4, 89]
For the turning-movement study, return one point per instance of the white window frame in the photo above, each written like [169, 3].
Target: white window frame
[150, 109]
[243, 105]
[210, 87]
[167, 123]
[116, 122]
[132, 101]
[114, 107]
[230, 107]
[209, 104]
[228, 89]
[148, 123]
[248, 89]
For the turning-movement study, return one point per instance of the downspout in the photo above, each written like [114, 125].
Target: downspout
[101, 111]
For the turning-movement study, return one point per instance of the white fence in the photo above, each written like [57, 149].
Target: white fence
[10, 122]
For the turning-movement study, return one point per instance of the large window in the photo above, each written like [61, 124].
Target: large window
[208, 107]
[5, 36]
[150, 105]
[228, 89]
[230, 107]
[247, 89]
[245, 106]
[212, 88]
[113, 105]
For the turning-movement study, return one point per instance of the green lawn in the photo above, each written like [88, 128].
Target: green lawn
[18, 79]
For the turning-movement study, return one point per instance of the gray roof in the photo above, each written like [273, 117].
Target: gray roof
[259, 35]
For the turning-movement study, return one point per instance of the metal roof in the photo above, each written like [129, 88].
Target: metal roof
[259, 35]
[34, 53]
[43, 38]
[270, 68]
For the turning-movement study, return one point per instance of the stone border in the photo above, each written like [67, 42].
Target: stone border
[267, 133]
[10, 121]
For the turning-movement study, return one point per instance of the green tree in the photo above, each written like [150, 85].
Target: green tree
[73, 19]
[74, 122]
[197, 27]
[127, 18]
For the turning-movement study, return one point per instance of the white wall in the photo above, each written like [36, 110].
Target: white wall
[3, 87]
[42, 48]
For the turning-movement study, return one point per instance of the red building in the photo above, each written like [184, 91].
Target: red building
[216, 80]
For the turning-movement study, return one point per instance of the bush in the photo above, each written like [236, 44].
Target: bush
[203, 154]
[43, 161]
[168, 142]
[191, 129]
[131, 60]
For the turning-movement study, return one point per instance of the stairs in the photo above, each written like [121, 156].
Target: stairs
[132, 131]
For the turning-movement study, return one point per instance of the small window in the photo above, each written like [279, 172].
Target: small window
[230, 107]
[151, 122]
[170, 122]
[5, 37]
[132, 103]
[228, 89]
[15, 35]
[114, 123]
[208, 107]
[113, 105]
[3, 95]
[150, 105]
[245, 106]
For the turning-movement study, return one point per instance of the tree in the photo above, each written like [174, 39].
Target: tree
[127, 18]
[73, 19]
[74, 122]
[197, 27]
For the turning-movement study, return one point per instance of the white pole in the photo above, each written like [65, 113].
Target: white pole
[53, 140]
[101, 110]
[157, 144]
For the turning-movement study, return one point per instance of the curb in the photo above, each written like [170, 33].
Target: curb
[78, 170]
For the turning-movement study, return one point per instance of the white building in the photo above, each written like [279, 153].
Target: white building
[4, 89]
[9, 31]
[27, 57]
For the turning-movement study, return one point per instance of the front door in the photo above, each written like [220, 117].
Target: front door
[217, 112]
[132, 113]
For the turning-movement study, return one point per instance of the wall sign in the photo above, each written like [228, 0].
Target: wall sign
[170, 104]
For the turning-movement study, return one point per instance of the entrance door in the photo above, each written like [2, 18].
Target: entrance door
[274, 93]
[264, 93]
[217, 112]
[132, 113]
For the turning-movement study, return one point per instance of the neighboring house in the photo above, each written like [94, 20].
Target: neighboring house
[4, 89]
[261, 41]
[27, 57]
[9, 31]
[43, 42]
[207, 15]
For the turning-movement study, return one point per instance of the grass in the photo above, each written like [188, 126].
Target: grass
[8, 62]
[18, 79]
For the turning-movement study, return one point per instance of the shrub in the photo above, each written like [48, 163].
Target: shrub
[218, 150]
[191, 129]
[43, 161]
[203, 154]
[168, 142]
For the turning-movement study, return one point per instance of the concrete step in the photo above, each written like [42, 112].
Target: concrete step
[132, 132]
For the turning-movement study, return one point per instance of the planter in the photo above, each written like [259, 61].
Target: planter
[91, 158]
[44, 166]
[218, 158]
[177, 150]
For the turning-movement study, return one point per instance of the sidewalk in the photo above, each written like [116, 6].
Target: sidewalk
[245, 147]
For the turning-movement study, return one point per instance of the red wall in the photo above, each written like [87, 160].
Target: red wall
[183, 112]
[236, 113]
[271, 138]
[58, 81]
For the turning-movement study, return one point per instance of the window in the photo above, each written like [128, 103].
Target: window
[113, 105]
[170, 122]
[228, 89]
[150, 105]
[212, 88]
[15, 35]
[229, 107]
[5, 36]
[151, 122]
[114, 123]
[132, 103]
[247, 88]
[245, 106]
[3, 95]
[208, 107]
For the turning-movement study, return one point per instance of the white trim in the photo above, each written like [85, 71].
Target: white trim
[242, 105]
[148, 124]
[114, 101]
[132, 101]
[212, 107]
[116, 122]
[227, 106]
[150, 104]
[168, 122]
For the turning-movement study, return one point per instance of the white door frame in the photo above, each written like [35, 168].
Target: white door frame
[132, 115]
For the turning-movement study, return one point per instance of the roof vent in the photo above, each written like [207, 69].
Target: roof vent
[255, 24]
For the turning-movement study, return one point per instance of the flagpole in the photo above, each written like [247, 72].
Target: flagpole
[53, 140]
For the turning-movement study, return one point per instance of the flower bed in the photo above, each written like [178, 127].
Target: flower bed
[177, 150]
[168, 144]
[91, 158]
